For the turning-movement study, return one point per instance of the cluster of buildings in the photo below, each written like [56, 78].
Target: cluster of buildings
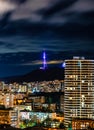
[31, 87]
[28, 101]
[74, 97]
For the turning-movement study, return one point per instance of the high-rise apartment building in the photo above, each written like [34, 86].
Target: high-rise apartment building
[79, 89]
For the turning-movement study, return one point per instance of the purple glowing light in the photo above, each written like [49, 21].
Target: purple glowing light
[44, 63]
[44, 55]
[44, 60]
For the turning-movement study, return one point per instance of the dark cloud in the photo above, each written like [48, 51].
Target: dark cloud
[87, 17]
[18, 58]
[4, 20]
[22, 44]
[18, 1]
[7, 8]
[64, 28]
[57, 7]
[15, 1]
[71, 15]
[49, 12]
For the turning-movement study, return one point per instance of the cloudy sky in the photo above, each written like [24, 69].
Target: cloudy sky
[63, 28]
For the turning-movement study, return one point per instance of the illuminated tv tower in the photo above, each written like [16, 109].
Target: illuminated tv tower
[44, 60]
[44, 63]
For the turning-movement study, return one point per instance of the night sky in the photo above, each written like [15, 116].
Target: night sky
[63, 28]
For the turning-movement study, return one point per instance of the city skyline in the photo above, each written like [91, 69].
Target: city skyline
[27, 27]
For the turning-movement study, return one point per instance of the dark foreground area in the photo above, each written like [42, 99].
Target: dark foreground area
[48, 74]
[8, 127]
[29, 128]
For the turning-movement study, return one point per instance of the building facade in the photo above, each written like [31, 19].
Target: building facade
[9, 117]
[82, 124]
[79, 89]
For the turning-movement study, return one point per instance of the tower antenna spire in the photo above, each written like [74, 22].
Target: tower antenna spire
[44, 60]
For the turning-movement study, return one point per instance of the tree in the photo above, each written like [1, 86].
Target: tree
[61, 126]
[70, 126]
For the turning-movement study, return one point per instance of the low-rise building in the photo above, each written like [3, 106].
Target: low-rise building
[82, 124]
[9, 117]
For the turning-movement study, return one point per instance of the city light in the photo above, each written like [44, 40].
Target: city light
[63, 65]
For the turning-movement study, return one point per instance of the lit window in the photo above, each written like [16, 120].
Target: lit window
[83, 96]
[83, 81]
[76, 77]
[82, 104]
[70, 98]
[68, 88]
[79, 63]
[70, 76]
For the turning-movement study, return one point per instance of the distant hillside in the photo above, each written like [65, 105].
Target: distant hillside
[39, 75]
